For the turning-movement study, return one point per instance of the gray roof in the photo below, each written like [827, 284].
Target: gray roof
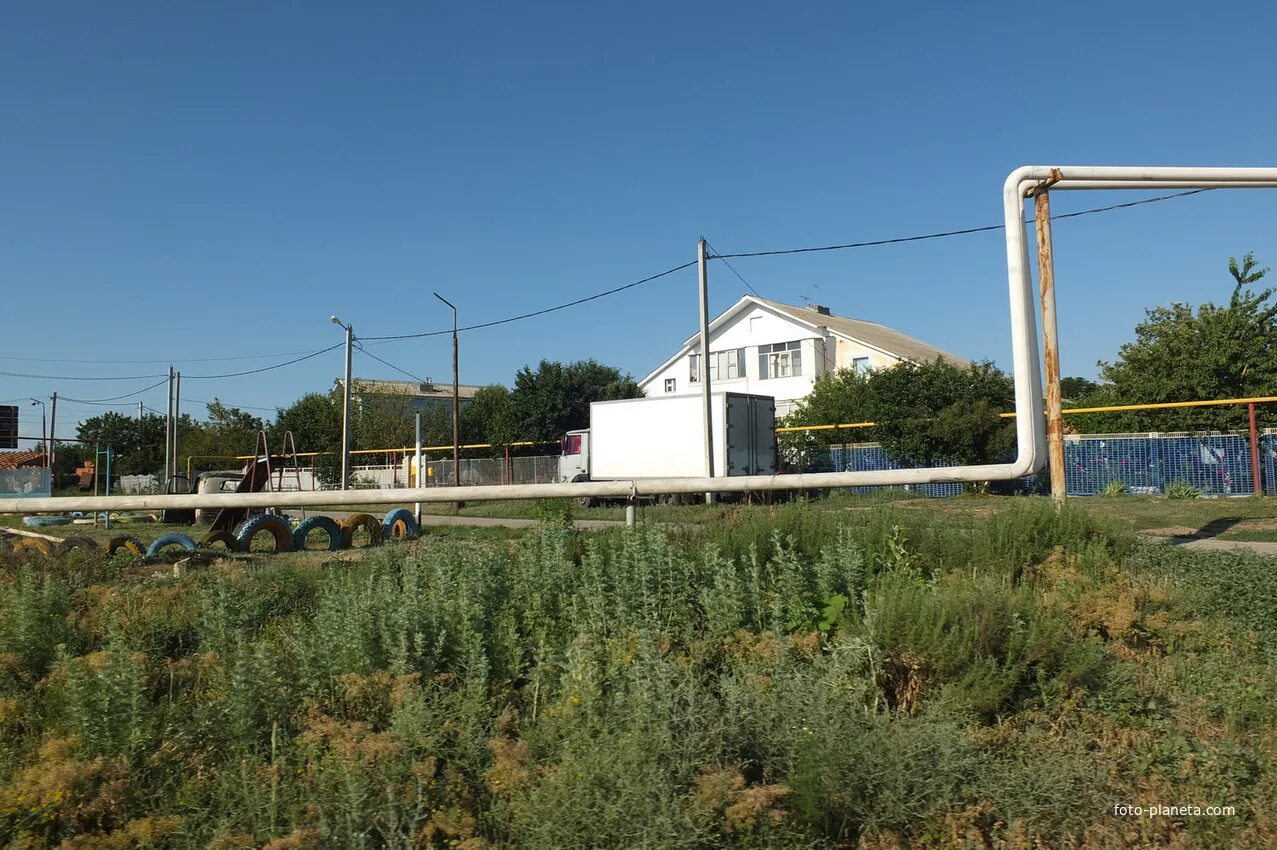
[888, 339]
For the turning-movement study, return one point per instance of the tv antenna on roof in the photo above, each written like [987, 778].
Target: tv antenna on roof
[814, 298]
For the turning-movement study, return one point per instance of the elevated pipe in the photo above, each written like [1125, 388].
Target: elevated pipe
[1029, 424]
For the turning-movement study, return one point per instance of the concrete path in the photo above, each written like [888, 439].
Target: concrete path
[1210, 544]
[479, 521]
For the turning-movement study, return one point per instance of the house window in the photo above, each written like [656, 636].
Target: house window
[723, 365]
[780, 360]
[727, 365]
[860, 364]
[669, 385]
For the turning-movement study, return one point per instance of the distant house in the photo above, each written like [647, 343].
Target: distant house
[765, 347]
[419, 397]
[22, 460]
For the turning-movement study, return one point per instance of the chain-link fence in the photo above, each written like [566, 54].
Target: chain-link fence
[484, 471]
[27, 482]
[1213, 464]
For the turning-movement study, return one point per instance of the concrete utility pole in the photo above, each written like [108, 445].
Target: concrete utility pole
[456, 400]
[168, 432]
[53, 446]
[44, 428]
[702, 267]
[177, 418]
[416, 479]
[345, 405]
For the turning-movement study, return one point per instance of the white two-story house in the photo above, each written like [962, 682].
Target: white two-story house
[768, 348]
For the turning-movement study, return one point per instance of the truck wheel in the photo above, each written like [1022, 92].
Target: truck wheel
[585, 501]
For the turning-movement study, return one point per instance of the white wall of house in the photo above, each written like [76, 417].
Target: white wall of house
[821, 352]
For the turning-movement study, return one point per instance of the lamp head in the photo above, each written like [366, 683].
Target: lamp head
[337, 321]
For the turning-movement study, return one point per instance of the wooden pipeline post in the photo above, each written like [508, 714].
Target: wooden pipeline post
[1050, 342]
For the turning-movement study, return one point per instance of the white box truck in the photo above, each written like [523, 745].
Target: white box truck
[664, 437]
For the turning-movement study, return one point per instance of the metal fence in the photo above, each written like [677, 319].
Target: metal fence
[1214, 464]
[541, 469]
[26, 482]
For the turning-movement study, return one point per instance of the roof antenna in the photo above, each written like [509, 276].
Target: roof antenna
[815, 297]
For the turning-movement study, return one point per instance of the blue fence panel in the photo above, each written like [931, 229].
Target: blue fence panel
[25, 483]
[1215, 464]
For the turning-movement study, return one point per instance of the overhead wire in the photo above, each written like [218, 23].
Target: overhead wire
[739, 277]
[104, 401]
[391, 365]
[164, 360]
[522, 316]
[963, 232]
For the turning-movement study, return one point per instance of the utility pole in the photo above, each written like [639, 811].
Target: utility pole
[139, 411]
[456, 401]
[44, 428]
[702, 267]
[177, 419]
[345, 405]
[53, 446]
[168, 432]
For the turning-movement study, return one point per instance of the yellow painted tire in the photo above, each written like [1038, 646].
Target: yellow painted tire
[34, 544]
[356, 521]
[128, 543]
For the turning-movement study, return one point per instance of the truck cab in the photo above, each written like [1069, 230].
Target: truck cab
[574, 462]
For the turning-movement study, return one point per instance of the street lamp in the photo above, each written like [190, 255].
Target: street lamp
[345, 406]
[456, 400]
[43, 429]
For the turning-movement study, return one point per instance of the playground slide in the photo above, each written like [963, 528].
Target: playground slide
[256, 476]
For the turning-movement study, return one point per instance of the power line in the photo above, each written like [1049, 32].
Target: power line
[391, 365]
[899, 239]
[165, 360]
[103, 401]
[748, 285]
[82, 378]
[264, 368]
[537, 312]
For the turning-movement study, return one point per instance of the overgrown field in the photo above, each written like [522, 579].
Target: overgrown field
[784, 679]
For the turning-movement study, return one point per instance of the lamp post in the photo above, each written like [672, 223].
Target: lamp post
[43, 427]
[345, 406]
[456, 400]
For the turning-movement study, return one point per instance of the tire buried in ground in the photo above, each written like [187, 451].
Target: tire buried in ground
[128, 543]
[224, 537]
[330, 526]
[354, 522]
[399, 524]
[277, 527]
[166, 540]
[33, 544]
[84, 544]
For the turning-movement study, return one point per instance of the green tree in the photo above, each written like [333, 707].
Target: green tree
[1185, 354]
[1074, 389]
[486, 417]
[924, 413]
[556, 398]
[138, 444]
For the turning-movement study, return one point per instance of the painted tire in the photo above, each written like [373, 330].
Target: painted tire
[72, 543]
[166, 540]
[128, 543]
[277, 527]
[224, 537]
[357, 521]
[41, 521]
[399, 524]
[336, 539]
[33, 544]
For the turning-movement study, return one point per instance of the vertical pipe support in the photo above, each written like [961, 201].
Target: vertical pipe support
[1050, 343]
[1257, 485]
[416, 476]
[177, 419]
[702, 268]
[345, 411]
[631, 514]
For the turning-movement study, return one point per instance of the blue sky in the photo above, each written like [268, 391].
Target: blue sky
[186, 181]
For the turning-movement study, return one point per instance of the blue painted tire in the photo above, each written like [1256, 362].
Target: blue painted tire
[41, 521]
[165, 540]
[265, 522]
[336, 540]
[399, 524]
